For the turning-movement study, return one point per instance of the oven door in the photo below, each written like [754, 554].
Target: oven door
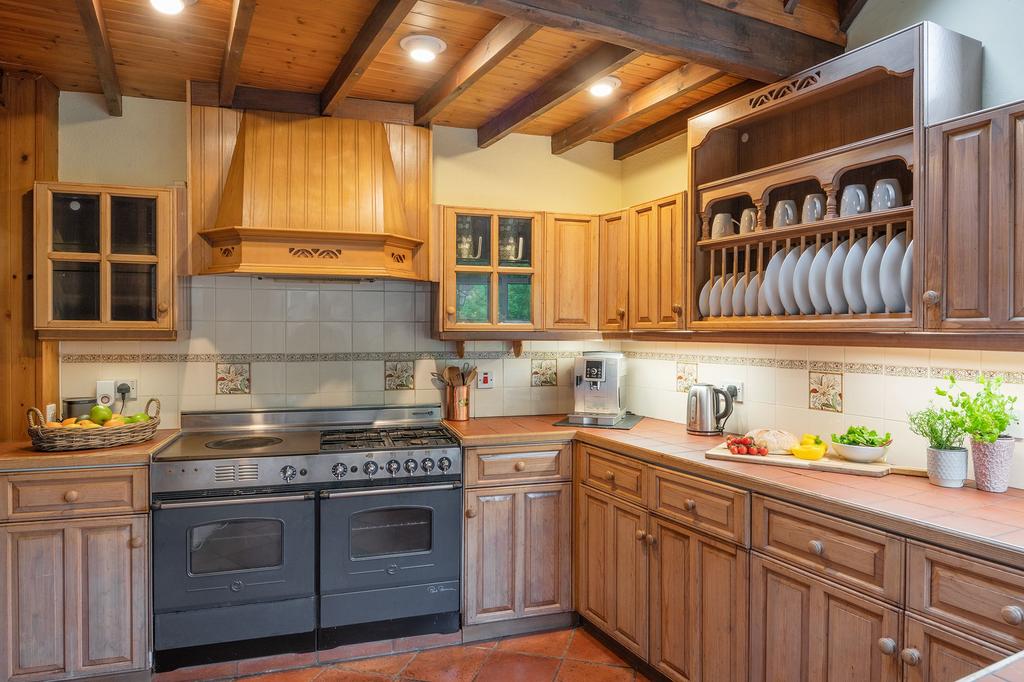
[390, 552]
[220, 552]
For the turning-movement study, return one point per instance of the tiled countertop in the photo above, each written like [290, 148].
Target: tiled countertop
[19, 456]
[987, 525]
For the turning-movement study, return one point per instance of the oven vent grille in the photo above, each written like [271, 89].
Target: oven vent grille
[223, 473]
[248, 472]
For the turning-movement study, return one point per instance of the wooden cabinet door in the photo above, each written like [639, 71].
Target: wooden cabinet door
[593, 559]
[975, 222]
[802, 628]
[656, 264]
[613, 271]
[570, 272]
[490, 551]
[698, 605]
[547, 547]
[934, 654]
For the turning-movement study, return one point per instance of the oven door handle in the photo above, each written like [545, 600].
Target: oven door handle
[188, 504]
[333, 494]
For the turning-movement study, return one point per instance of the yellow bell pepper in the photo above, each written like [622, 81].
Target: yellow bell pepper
[810, 439]
[809, 451]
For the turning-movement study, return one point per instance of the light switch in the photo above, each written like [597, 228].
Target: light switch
[485, 379]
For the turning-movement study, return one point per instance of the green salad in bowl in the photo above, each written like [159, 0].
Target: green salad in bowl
[861, 444]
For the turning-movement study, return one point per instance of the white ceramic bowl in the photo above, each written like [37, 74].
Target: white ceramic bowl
[860, 453]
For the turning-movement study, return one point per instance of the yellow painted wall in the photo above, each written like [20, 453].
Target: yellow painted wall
[655, 173]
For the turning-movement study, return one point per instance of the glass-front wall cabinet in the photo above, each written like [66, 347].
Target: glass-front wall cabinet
[491, 269]
[104, 261]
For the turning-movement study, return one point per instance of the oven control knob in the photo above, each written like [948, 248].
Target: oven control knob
[411, 465]
[444, 464]
[428, 465]
[288, 473]
[392, 466]
[370, 468]
[339, 470]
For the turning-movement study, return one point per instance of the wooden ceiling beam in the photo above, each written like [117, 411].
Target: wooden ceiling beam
[848, 11]
[692, 29]
[238, 33]
[102, 54]
[501, 41]
[683, 80]
[675, 125]
[207, 94]
[382, 23]
[575, 78]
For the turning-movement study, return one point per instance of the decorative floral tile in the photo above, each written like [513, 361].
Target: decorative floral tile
[398, 376]
[686, 376]
[825, 390]
[543, 372]
[233, 378]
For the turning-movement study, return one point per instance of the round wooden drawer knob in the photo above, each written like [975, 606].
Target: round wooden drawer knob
[162, 308]
[135, 543]
[677, 309]
[520, 466]
[690, 505]
[640, 535]
[910, 656]
[931, 297]
[1013, 615]
[650, 539]
[71, 496]
[451, 310]
[470, 513]
[816, 547]
[609, 475]
[621, 312]
[887, 645]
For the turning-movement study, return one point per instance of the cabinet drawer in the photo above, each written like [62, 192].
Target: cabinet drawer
[970, 594]
[613, 473]
[68, 493]
[712, 507]
[853, 555]
[524, 464]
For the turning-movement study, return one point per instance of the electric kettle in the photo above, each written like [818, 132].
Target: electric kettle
[705, 411]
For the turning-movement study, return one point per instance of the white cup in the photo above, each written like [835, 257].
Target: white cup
[748, 220]
[785, 213]
[721, 225]
[887, 194]
[814, 208]
[855, 200]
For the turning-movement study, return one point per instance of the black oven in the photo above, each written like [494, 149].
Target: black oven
[233, 568]
[389, 554]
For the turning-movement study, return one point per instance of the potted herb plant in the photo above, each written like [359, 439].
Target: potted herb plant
[986, 414]
[943, 428]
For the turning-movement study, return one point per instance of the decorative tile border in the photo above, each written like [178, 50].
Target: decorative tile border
[398, 376]
[233, 378]
[543, 372]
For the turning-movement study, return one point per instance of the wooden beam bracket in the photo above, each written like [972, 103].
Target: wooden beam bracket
[102, 54]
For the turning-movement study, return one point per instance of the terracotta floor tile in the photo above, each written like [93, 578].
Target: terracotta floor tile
[507, 666]
[973, 525]
[420, 642]
[300, 675]
[213, 671]
[265, 664]
[336, 675]
[541, 644]
[350, 651]
[581, 671]
[487, 644]
[585, 647]
[390, 665]
[452, 664]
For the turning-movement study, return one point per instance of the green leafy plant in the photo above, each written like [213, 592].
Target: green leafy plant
[862, 436]
[943, 428]
[987, 413]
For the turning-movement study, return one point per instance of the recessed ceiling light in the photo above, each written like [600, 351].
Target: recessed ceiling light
[605, 86]
[171, 6]
[423, 48]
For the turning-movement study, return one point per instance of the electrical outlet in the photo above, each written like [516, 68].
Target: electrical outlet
[485, 379]
[133, 394]
[738, 385]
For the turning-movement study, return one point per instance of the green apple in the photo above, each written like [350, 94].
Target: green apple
[140, 417]
[99, 414]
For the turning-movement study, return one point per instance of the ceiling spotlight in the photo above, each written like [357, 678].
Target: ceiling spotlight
[605, 86]
[423, 48]
[171, 6]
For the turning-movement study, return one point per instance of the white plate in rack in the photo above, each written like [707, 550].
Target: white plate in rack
[870, 277]
[851, 276]
[715, 298]
[802, 280]
[750, 296]
[786, 273]
[889, 274]
[739, 295]
[816, 279]
[762, 302]
[703, 301]
[771, 283]
[726, 303]
[907, 276]
[834, 279]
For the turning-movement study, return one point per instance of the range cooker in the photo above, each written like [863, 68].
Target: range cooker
[288, 530]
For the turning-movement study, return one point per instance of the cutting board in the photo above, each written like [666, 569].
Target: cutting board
[829, 462]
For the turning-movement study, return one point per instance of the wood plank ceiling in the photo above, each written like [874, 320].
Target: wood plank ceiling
[510, 65]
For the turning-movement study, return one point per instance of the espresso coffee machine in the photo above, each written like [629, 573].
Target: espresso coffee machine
[598, 381]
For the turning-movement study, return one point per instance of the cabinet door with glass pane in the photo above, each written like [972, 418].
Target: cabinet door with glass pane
[104, 262]
[492, 270]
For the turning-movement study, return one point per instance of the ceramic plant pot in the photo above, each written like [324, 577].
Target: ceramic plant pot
[947, 468]
[992, 464]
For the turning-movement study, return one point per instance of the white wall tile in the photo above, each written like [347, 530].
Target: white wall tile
[368, 306]
[204, 303]
[367, 375]
[335, 337]
[367, 337]
[268, 305]
[399, 336]
[303, 306]
[157, 378]
[516, 372]
[335, 377]
[198, 378]
[232, 402]
[302, 337]
[301, 377]
[399, 306]
[234, 305]
[233, 337]
[336, 306]
[267, 378]
[268, 337]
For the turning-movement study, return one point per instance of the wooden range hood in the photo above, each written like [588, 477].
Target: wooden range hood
[311, 196]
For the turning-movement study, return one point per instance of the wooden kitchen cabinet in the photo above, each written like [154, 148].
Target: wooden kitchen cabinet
[803, 628]
[975, 217]
[104, 261]
[656, 257]
[934, 654]
[74, 597]
[570, 277]
[613, 271]
[517, 552]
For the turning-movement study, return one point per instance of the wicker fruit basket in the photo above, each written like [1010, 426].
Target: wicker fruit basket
[58, 439]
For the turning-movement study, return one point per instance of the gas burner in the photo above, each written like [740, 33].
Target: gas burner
[243, 443]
